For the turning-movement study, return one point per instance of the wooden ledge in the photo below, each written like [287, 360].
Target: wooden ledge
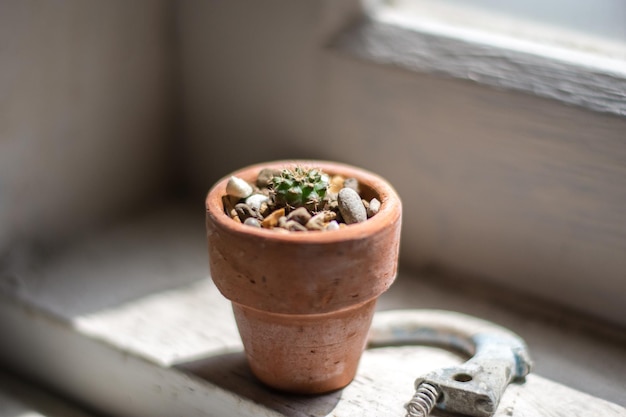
[172, 347]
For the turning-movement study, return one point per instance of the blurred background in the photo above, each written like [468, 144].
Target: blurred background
[114, 108]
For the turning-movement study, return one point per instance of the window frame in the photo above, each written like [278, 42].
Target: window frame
[389, 35]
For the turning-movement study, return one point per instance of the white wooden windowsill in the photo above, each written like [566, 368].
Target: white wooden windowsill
[19, 398]
[128, 323]
[590, 73]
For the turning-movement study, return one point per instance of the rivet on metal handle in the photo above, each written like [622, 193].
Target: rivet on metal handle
[474, 388]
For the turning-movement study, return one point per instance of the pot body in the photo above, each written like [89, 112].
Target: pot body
[305, 353]
[303, 301]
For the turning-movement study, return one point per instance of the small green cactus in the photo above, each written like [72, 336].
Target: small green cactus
[299, 187]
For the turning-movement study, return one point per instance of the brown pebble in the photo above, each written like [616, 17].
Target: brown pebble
[244, 211]
[319, 221]
[336, 184]
[315, 224]
[352, 183]
[265, 176]
[282, 222]
[300, 215]
[264, 210]
[229, 204]
[294, 226]
[330, 203]
[271, 220]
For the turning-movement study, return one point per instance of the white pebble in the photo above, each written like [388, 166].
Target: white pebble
[256, 200]
[238, 188]
[333, 225]
[373, 207]
[251, 221]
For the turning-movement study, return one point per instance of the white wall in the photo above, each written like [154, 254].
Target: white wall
[253, 78]
[85, 113]
[523, 191]
[519, 190]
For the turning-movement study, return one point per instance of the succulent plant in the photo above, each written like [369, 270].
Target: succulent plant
[299, 187]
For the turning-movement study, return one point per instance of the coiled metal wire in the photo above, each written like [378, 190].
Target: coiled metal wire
[423, 401]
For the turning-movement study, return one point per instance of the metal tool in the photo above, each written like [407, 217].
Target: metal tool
[474, 388]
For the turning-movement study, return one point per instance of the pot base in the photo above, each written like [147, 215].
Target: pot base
[305, 354]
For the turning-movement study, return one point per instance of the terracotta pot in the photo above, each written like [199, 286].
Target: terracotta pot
[303, 301]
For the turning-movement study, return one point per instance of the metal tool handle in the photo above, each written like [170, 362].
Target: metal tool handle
[497, 357]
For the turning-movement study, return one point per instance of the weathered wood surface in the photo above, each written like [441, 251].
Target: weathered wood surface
[591, 80]
[196, 333]
[20, 399]
[163, 364]
[127, 324]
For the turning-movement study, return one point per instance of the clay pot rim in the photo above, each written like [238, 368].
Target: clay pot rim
[388, 214]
